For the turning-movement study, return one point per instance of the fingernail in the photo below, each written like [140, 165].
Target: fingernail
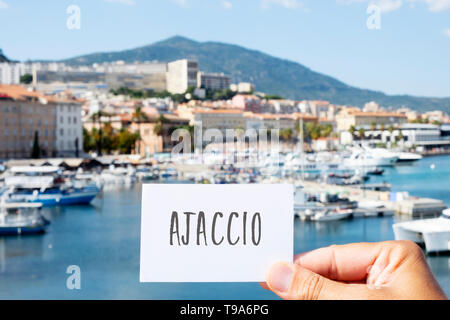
[280, 277]
[299, 258]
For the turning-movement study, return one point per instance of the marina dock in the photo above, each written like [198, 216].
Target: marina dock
[399, 202]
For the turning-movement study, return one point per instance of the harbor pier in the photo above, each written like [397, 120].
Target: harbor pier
[399, 201]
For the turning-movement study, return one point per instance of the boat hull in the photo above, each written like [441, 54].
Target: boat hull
[59, 199]
[14, 231]
[433, 233]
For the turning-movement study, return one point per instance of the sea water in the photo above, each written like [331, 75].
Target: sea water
[103, 240]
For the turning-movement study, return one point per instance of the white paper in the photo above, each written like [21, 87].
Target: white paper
[197, 262]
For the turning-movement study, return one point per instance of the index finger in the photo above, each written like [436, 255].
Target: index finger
[341, 262]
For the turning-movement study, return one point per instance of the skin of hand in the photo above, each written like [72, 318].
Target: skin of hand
[360, 271]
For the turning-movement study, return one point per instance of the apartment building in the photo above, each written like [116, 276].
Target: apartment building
[69, 128]
[213, 81]
[24, 113]
[247, 102]
[153, 142]
[10, 72]
[238, 119]
[278, 121]
[279, 106]
[242, 87]
[353, 117]
[181, 75]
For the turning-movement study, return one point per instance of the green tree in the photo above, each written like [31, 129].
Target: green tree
[26, 78]
[89, 143]
[352, 130]
[326, 130]
[36, 151]
[159, 125]
[286, 134]
[158, 129]
[362, 133]
[126, 141]
[139, 116]
[391, 129]
[190, 90]
[97, 117]
[273, 97]
[109, 139]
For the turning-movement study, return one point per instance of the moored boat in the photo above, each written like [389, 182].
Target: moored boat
[21, 219]
[332, 215]
[434, 233]
[55, 196]
[45, 185]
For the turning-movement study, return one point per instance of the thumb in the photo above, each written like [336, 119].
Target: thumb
[293, 282]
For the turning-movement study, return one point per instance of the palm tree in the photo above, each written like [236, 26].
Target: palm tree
[391, 129]
[139, 116]
[362, 133]
[97, 117]
[158, 130]
[352, 130]
[400, 136]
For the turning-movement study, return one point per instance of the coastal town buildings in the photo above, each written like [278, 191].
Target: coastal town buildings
[220, 119]
[25, 113]
[247, 102]
[279, 106]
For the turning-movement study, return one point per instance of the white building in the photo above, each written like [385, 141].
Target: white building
[10, 73]
[411, 134]
[371, 107]
[69, 129]
[242, 87]
[181, 75]
[148, 67]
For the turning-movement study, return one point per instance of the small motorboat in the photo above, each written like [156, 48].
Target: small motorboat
[375, 172]
[21, 219]
[332, 215]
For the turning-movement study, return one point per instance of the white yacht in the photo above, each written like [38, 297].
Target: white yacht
[408, 157]
[370, 158]
[118, 176]
[433, 233]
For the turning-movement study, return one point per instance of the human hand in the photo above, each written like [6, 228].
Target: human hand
[384, 270]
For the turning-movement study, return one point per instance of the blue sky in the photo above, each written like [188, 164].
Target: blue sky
[408, 55]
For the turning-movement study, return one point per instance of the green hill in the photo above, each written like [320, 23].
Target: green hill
[270, 74]
[3, 58]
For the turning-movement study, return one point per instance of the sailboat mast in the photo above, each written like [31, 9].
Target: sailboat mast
[301, 148]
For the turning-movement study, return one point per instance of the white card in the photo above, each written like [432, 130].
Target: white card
[219, 248]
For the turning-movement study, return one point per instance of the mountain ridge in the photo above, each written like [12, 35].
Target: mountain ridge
[3, 58]
[270, 74]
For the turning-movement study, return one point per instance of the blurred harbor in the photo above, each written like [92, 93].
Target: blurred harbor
[102, 237]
